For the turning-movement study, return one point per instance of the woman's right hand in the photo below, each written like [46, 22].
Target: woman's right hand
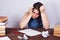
[30, 10]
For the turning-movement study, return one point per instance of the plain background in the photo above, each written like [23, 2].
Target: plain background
[15, 9]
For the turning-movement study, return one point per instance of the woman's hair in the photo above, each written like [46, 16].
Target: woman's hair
[37, 6]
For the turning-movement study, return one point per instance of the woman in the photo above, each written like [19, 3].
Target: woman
[35, 17]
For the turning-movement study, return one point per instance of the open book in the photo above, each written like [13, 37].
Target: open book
[5, 38]
[30, 32]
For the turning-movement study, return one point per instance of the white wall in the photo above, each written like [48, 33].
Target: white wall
[15, 9]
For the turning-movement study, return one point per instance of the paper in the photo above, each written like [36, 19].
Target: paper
[3, 23]
[45, 34]
[30, 32]
[5, 38]
[19, 37]
[25, 37]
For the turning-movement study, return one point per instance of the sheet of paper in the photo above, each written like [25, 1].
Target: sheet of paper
[5, 38]
[30, 32]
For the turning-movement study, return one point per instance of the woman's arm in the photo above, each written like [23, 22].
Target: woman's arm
[44, 18]
[26, 18]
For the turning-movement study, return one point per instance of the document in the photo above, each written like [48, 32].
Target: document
[30, 32]
[5, 38]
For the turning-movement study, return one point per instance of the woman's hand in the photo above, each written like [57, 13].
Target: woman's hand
[30, 10]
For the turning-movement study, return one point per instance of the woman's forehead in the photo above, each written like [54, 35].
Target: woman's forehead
[36, 11]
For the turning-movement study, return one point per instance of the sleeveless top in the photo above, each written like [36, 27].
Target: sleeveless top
[35, 23]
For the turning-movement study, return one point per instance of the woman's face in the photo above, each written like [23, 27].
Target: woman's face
[35, 13]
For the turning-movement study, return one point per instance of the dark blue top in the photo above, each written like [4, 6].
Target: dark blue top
[35, 23]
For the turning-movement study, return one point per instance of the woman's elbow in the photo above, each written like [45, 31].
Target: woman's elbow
[21, 26]
[46, 26]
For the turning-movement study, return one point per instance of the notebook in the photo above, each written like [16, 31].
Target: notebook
[30, 32]
[5, 38]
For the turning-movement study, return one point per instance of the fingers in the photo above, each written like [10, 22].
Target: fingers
[30, 9]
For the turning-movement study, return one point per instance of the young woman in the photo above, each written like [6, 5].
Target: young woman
[35, 17]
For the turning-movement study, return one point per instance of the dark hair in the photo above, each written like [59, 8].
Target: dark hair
[37, 6]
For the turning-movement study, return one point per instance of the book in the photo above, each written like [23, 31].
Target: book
[3, 23]
[30, 32]
[5, 38]
[3, 27]
[2, 32]
[3, 18]
[57, 30]
[58, 35]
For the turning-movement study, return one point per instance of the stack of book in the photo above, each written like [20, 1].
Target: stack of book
[57, 30]
[3, 22]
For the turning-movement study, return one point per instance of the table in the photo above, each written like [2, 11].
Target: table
[12, 33]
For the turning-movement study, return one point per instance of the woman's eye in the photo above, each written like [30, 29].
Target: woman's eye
[33, 12]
